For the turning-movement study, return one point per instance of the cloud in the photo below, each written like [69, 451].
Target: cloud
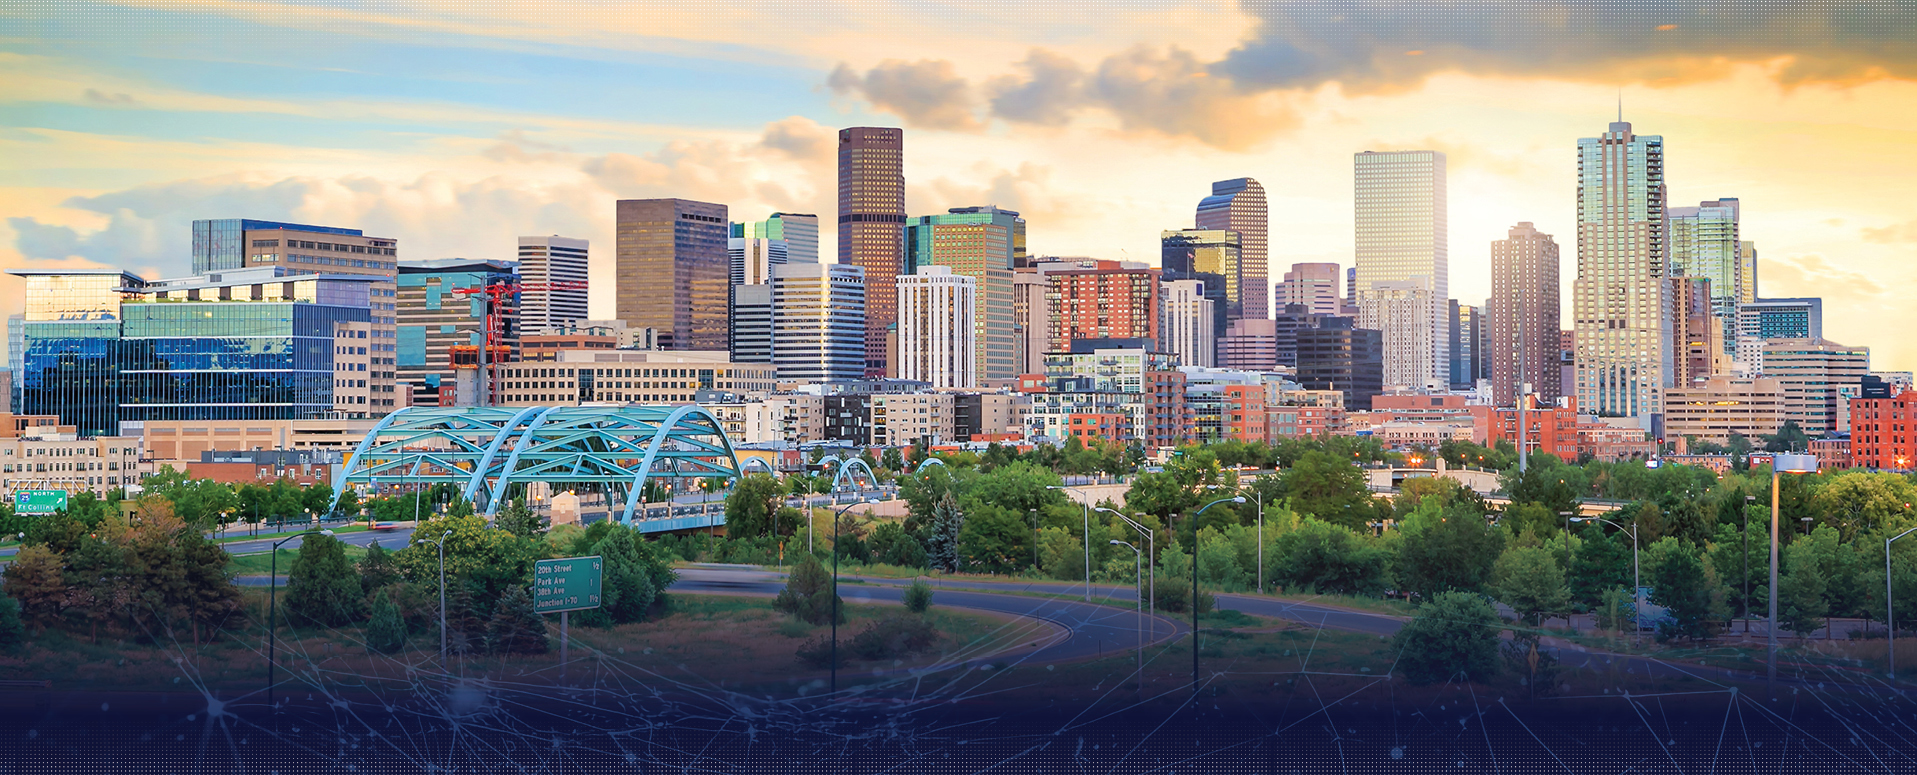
[928, 93]
[1897, 233]
[1368, 45]
[117, 99]
[1052, 88]
[1174, 94]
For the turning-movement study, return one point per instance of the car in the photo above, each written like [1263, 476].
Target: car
[383, 526]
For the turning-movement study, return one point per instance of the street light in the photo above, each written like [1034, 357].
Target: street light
[1086, 502]
[835, 588]
[1137, 570]
[1261, 540]
[1780, 463]
[1890, 619]
[1748, 501]
[1637, 583]
[272, 609]
[1194, 583]
[441, 543]
[1151, 547]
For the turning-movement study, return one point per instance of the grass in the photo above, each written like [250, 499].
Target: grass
[261, 563]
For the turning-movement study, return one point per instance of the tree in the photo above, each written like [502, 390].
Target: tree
[942, 544]
[377, 569]
[386, 633]
[892, 460]
[1801, 593]
[1446, 550]
[751, 506]
[521, 521]
[1454, 635]
[323, 587]
[994, 540]
[1684, 584]
[516, 628]
[1602, 562]
[1787, 438]
[1531, 583]
[1330, 489]
[493, 559]
[36, 581]
[891, 545]
[1858, 502]
[918, 596]
[171, 572]
[465, 624]
[1319, 556]
[809, 593]
[633, 576]
[1061, 554]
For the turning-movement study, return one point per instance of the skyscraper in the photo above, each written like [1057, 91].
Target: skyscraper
[1403, 263]
[1524, 315]
[872, 225]
[977, 243]
[818, 314]
[1094, 299]
[554, 271]
[672, 271]
[1704, 243]
[232, 243]
[1621, 301]
[1186, 328]
[433, 319]
[936, 330]
[1239, 205]
[749, 260]
[1467, 332]
[799, 231]
[1314, 285]
[1214, 257]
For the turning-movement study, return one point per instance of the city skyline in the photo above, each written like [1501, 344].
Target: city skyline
[98, 182]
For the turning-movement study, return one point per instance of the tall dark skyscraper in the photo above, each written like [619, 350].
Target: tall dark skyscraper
[672, 266]
[1239, 205]
[872, 226]
[1525, 344]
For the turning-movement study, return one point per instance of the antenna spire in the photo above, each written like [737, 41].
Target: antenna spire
[1620, 105]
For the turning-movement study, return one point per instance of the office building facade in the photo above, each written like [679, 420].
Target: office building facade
[1214, 257]
[1185, 329]
[1095, 299]
[872, 226]
[976, 243]
[818, 321]
[1314, 285]
[1403, 262]
[1238, 205]
[1704, 243]
[672, 268]
[434, 318]
[937, 332]
[1335, 356]
[1466, 342]
[1621, 301]
[554, 272]
[1819, 376]
[1524, 316]
[799, 231]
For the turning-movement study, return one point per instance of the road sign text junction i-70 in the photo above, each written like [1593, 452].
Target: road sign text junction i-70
[567, 584]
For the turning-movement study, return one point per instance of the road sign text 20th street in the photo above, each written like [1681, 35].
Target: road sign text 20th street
[566, 584]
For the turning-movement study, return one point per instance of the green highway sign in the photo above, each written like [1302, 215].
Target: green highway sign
[567, 584]
[39, 501]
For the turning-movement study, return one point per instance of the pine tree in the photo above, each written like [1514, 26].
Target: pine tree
[942, 547]
[626, 593]
[519, 520]
[386, 633]
[516, 628]
[465, 629]
[377, 570]
[12, 632]
[323, 587]
[35, 580]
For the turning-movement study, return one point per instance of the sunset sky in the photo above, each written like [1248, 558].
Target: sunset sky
[456, 126]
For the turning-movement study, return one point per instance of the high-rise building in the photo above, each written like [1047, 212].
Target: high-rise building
[799, 231]
[1524, 315]
[1314, 285]
[1238, 205]
[1095, 299]
[1704, 244]
[433, 318]
[1186, 329]
[1761, 320]
[1031, 318]
[936, 328]
[1620, 300]
[976, 243]
[1251, 344]
[553, 270]
[751, 324]
[1403, 262]
[1714, 408]
[1337, 357]
[1747, 260]
[1467, 322]
[749, 260]
[1818, 375]
[233, 243]
[1014, 225]
[1699, 332]
[1214, 257]
[818, 321]
[672, 271]
[65, 348]
[872, 226]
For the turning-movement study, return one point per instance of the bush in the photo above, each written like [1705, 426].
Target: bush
[323, 587]
[809, 594]
[1457, 632]
[894, 636]
[516, 628]
[817, 652]
[918, 597]
[386, 633]
[12, 631]
[1176, 598]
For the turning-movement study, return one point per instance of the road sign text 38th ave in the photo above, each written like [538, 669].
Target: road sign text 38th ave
[567, 584]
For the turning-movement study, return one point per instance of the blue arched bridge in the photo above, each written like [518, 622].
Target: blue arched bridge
[486, 452]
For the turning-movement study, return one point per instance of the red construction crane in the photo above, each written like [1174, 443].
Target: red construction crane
[498, 296]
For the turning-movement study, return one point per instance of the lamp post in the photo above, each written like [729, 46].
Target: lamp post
[1034, 513]
[1084, 501]
[1637, 583]
[1194, 583]
[1260, 498]
[1890, 618]
[1137, 571]
[1151, 548]
[1780, 463]
[1748, 501]
[272, 609]
[835, 589]
[441, 544]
